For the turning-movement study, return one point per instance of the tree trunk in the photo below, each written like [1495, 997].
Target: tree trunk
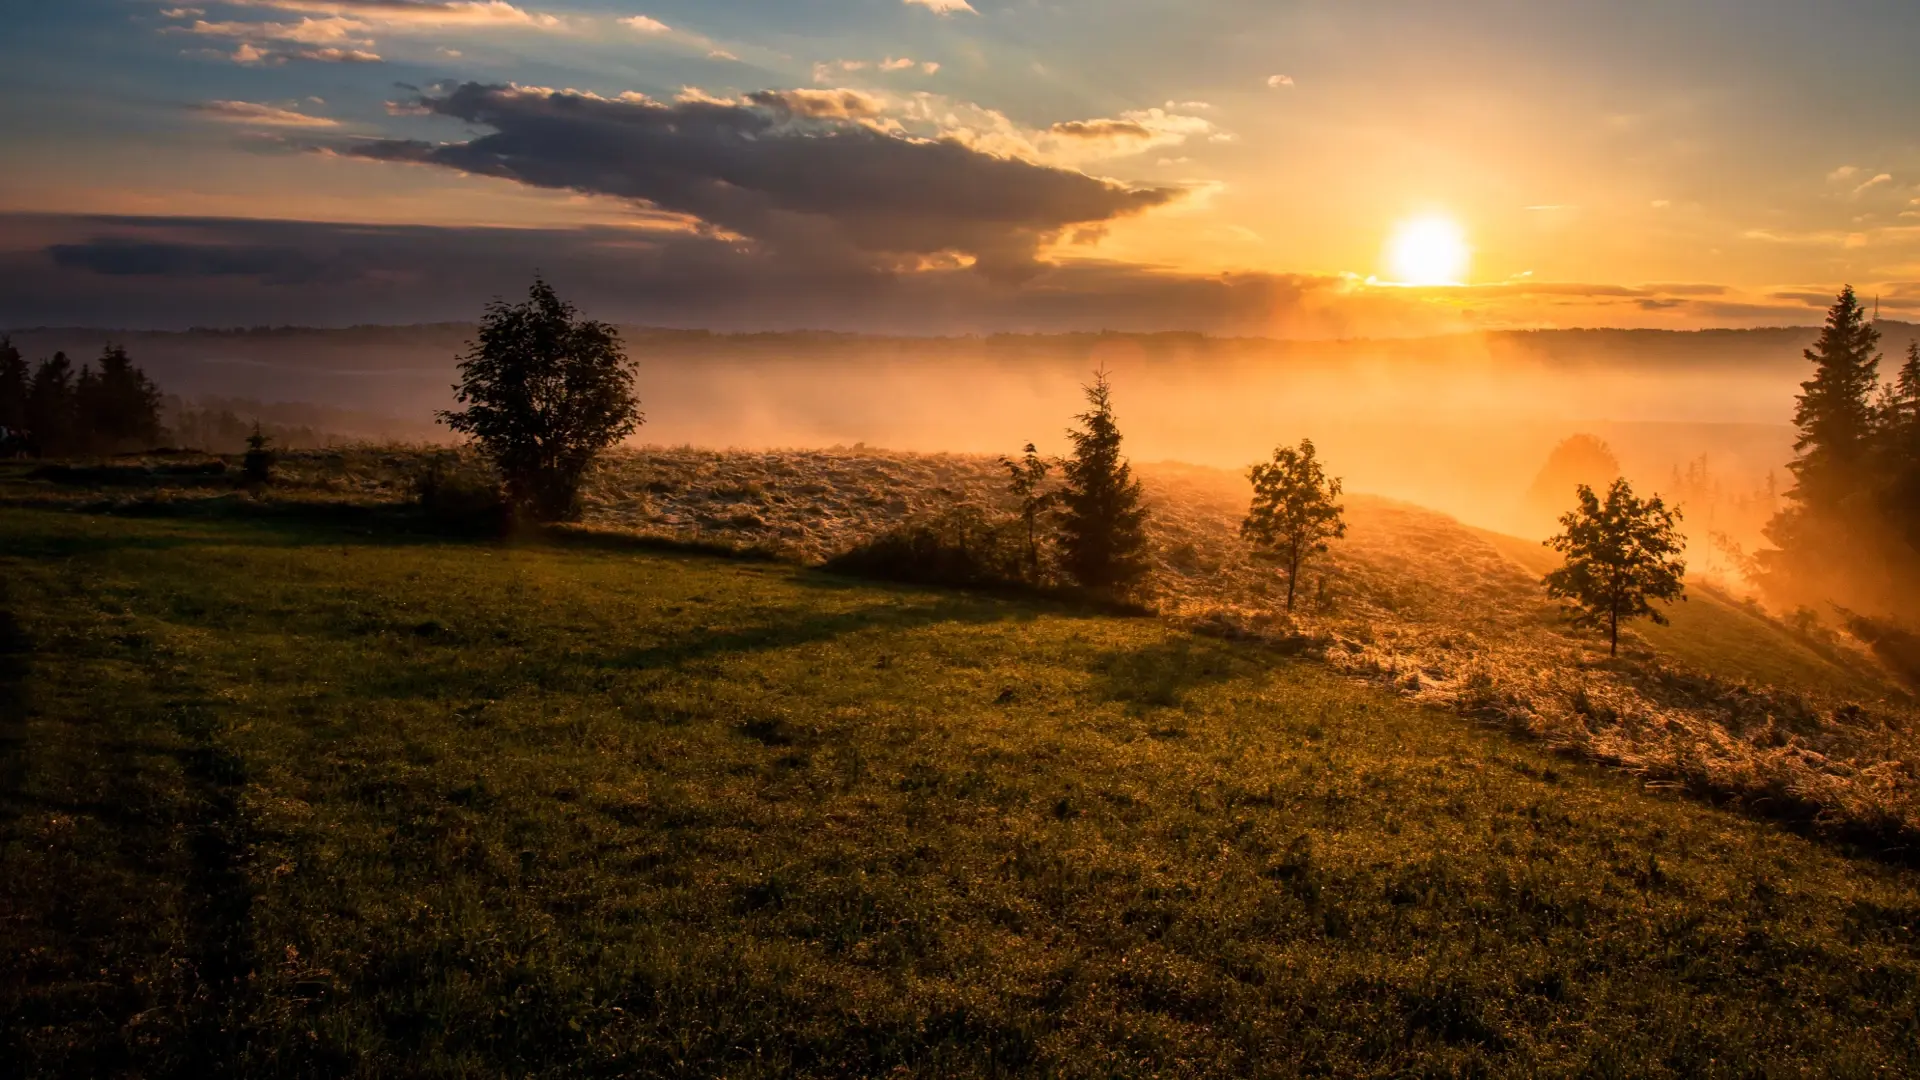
[1613, 615]
[1293, 575]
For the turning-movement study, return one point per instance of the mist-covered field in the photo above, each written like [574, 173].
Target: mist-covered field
[1462, 424]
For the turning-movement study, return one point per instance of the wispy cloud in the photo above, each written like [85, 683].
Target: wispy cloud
[247, 112]
[831, 70]
[646, 24]
[943, 7]
[1279, 81]
[398, 14]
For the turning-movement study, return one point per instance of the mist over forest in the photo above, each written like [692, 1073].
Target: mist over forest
[1460, 423]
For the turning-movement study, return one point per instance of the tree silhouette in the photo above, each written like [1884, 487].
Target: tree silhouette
[1027, 482]
[545, 392]
[1620, 554]
[14, 381]
[1103, 527]
[51, 414]
[257, 466]
[123, 412]
[1293, 513]
[1835, 409]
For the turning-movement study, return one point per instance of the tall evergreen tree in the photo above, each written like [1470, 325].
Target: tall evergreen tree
[1103, 539]
[50, 407]
[1829, 537]
[14, 381]
[1835, 410]
[125, 413]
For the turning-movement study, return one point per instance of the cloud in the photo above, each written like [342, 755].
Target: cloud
[400, 14]
[1279, 81]
[332, 39]
[816, 175]
[246, 112]
[646, 24]
[1876, 181]
[1069, 143]
[943, 7]
[830, 70]
[178, 272]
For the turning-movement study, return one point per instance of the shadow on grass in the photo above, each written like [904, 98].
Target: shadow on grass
[1161, 675]
[14, 650]
[804, 628]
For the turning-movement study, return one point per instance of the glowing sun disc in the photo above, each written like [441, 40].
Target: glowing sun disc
[1428, 251]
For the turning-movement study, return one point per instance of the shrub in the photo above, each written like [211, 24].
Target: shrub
[462, 496]
[962, 547]
[257, 466]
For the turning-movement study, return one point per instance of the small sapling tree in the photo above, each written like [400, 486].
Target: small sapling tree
[1293, 513]
[1103, 540]
[545, 392]
[1027, 482]
[257, 466]
[1620, 554]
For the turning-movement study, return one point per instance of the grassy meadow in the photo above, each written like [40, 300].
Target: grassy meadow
[287, 797]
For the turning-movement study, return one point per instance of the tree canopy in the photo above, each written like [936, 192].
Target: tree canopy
[545, 392]
[1620, 555]
[1293, 514]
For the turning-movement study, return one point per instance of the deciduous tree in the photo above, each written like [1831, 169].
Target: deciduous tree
[1027, 483]
[1293, 513]
[1620, 554]
[545, 392]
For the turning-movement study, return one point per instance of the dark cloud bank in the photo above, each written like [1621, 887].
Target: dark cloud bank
[178, 272]
[804, 174]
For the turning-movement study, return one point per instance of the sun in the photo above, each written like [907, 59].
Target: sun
[1428, 251]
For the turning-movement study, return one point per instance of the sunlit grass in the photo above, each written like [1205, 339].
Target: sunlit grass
[331, 802]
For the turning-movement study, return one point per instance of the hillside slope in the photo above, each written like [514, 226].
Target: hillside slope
[286, 799]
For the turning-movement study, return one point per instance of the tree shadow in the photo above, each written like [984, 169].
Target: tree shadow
[809, 627]
[1163, 674]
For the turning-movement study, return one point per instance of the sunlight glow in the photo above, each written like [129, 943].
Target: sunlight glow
[1428, 251]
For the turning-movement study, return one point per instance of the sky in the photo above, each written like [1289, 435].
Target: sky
[1291, 168]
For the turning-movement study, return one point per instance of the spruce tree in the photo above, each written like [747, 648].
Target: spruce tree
[1103, 540]
[1835, 410]
[14, 381]
[50, 407]
[126, 410]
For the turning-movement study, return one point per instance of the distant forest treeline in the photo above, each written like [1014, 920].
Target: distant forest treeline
[54, 409]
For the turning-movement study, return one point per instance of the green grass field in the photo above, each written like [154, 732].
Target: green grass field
[310, 801]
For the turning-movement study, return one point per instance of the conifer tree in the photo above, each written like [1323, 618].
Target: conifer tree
[1620, 554]
[1835, 410]
[257, 466]
[1293, 513]
[125, 414]
[1103, 538]
[51, 416]
[14, 381]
